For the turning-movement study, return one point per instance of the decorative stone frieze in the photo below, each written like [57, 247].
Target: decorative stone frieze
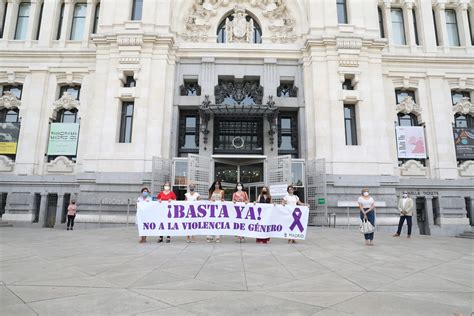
[60, 165]
[9, 101]
[466, 169]
[129, 40]
[408, 106]
[464, 107]
[413, 168]
[67, 102]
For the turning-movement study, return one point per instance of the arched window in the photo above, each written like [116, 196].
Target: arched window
[407, 119]
[67, 116]
[9, 116]
[240, 31]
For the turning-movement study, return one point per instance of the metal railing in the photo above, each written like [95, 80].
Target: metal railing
[129, 204]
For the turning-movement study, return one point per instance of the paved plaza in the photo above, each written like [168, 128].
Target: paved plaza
[92, 272]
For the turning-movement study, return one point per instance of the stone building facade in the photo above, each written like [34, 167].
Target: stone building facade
[266, 92]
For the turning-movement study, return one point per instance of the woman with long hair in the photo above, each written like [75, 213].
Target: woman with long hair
[216, 194]
[264, 197]
[240, 195]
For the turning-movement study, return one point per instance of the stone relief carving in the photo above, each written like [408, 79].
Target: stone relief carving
[129, 40]
[9, 101]
[60, 165]
[67, 102]
[408, 106]
[281, 23]
[238, 91]
[239, 30]
[464, 107]
[413, 168]
[6, 164]
[466, 169]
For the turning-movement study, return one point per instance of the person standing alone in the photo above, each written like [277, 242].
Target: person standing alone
[71, 214]
[405, 206]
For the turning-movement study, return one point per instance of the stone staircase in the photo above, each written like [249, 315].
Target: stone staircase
[5, 224]
[467, 234]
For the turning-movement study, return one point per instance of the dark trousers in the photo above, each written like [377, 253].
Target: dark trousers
[400, 224]
[371, 219]
[70, 221]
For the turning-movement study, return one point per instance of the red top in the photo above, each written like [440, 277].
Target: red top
[166, 197]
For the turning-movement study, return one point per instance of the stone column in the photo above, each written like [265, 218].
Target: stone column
[429, 210]
[440, 15]
[409, 25]
[65, 27]
[59, 209]
[387, 16]
[88, 23]
[32, 22]
[463, 24]
[43, 209]
[270, 78]
[49, 28]
[10, 19]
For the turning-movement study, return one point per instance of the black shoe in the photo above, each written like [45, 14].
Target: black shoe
[160, 240]
[168, 240]
[72, 228]
[67, 228]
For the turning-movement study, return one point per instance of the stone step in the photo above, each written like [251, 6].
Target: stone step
[5, 224]
[467, 234]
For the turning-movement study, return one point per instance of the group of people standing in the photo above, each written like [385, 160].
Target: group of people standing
[367, 213]
[216, 194]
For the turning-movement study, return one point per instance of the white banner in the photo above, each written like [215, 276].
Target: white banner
[181, 218]
[411, 142]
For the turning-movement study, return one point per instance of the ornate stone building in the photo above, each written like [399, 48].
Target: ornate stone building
[100, 98]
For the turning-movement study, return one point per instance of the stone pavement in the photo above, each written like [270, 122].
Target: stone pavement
[91, 272]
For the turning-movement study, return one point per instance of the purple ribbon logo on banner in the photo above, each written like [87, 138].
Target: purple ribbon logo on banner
[296, 220]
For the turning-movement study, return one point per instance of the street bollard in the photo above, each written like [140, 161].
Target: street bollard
[128, 210]
[100, 212]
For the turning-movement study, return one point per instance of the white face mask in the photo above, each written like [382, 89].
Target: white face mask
[405, 196]
[167, 187]
[239, 188]
[366, 193]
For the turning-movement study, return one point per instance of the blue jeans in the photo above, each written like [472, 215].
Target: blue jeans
[371, 219]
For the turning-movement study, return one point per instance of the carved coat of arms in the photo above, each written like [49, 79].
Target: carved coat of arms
[239, 30]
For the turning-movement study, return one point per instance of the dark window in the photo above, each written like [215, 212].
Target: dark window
[407, 119]
[67, 116]
[9, 116]
[40, 18]
[78, 21]
[22, 21]
[16, 90]
[452, 28]
[2, 26]
[435, 28]
[96, 18]
[457, 96]
[74, 91]
[400, 95]
[350, 124]
[137, 8]
[188, 132]
[60, 22]
[190, 88]
[222, 33]
[126, 123]
[381, 29]
[341, 12]
[238, 135]
[287, 89]
[415, 27]
[466, 121]
[288, 134]
[398, 27]
[130, 82]
[347, 84]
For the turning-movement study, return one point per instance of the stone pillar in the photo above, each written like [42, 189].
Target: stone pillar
[10, 19]
[463, 24]
[207, 78]
[59, 209]
[32, 21]
[49, 28]
[440, 15]
[409, 25]
[429, 211]
[270, 78]
[43, 209]
[67, 15]
[88, 23]
[387, 16]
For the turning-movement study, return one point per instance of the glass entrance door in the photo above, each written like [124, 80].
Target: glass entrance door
[250, 174]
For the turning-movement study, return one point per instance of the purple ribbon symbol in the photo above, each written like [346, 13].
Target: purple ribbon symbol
[296, 220]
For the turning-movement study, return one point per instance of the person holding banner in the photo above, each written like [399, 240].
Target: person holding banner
[264, 197]
[191, 196]
[367, 212]
[216, 194]
[292, 200]
[240, 196]
[166, 195]
[144, 197]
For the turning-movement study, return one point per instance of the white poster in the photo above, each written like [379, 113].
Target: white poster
[278, 190]
[411, 142]
[181, 218]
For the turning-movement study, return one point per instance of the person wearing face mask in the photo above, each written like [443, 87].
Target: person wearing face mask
[405, 206]
[216, 194]
[240, 196]
[166, 195]
[292, 200]
[367, 211]
[191, 196]
[264, 197]
[144, 197]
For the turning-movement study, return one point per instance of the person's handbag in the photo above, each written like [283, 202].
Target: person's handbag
[366, 227]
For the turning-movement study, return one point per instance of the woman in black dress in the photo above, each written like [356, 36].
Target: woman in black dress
[264, 197]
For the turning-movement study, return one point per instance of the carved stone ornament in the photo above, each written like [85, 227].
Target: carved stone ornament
[239, 30]
[281, 23]
[129, 40]
[238, 91]
[413, 168]
[61, 164]
[9, 101]
[6, 164]
[67, 102]
[464, 107]
[408, 106]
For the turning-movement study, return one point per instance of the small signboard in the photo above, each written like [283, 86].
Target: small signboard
[63, 138]
[278, 190]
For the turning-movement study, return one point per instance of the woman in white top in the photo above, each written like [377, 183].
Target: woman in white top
[191, 196]
[216, 194]
[367, 211]
[144, 197]
[292, 200]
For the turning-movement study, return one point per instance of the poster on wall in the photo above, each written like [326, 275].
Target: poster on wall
[464, 142]
[63, 138]
[411, 142]
[9, 133]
